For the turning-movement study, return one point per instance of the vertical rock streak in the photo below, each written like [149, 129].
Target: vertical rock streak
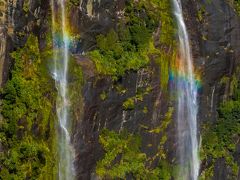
[187, 107]
[60, 74]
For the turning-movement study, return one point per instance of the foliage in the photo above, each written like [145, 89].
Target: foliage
[160, 11]
[165, 122]
[73, 2]
[131, 45]
[103, 96]
[112, 59]
[237, 6]
[27, 128]
[124, 145]
[219, 139]
[123, 157]
[164, 62]
[129, 104]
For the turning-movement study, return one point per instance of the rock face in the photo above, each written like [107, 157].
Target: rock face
[4, 62]
[214, 28]
[19, 19]
[215, 34]
[108, 112]
[215, 44]
[91, 18]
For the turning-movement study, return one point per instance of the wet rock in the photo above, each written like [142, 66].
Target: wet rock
[109, 113]
[215, 44]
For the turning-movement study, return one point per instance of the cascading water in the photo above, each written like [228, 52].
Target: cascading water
[60, 74]
[187, 107]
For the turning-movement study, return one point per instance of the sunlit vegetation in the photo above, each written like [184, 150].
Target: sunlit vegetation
[114, 57]
[220, 138]
[237, 6]
[123, 156]
[130, 46]
[27, 128]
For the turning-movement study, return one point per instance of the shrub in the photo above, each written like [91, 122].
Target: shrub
[27, 132]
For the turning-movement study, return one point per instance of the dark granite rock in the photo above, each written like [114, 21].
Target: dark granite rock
[215, 41]
[109, 113]
[216, 50]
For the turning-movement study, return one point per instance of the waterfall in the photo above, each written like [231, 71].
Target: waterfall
[187, 107]
[60, 74]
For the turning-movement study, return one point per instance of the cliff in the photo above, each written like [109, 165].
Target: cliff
[125, 96]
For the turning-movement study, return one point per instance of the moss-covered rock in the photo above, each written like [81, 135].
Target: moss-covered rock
[27, 129]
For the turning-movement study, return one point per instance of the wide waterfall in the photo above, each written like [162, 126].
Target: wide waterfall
[187, 107]
[60, 74]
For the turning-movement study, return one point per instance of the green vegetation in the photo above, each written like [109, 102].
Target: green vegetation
[131, 45]
[125, 145]
[103, 96]
[237, 6]
[162, 130]
[73, 2]
[27, 128]
[220, 138]
[201, 13]
[123, 157]
[112, 58]
[129, 104]
[75, 84]
[145, 110]
[26, 6]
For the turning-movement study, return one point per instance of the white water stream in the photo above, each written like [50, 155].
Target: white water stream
[60, 74]
[187, 107]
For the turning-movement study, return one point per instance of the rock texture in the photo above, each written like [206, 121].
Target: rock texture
[214, 29]
[91, 18]
[4, 60]
[109, 113]
[215, 44]
[19, 19]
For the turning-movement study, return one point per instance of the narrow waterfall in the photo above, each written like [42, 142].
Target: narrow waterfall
[60, 74]
[187, 107]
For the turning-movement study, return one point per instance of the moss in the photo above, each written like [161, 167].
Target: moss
[237, 6]
[165, 54]
[103, 96]
[128, 104]
[161, 11]
[163, 60]
[162, 131]
[75, 84]
[165, 122]
[219, 139]
[124, 146]
[120, 89]
[130, 45]
[27, 132]
[123, 158]
[26, 6]
[145, 110]
[110, 59]
[73, 2]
